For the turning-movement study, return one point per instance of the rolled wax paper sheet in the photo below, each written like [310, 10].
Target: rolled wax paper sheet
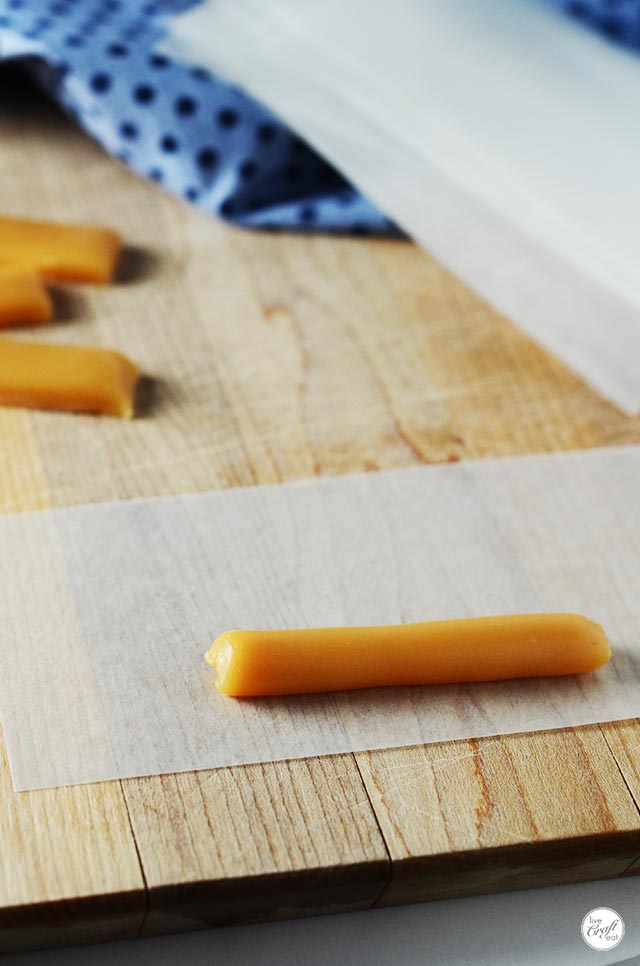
[497, 134]
[107, 610]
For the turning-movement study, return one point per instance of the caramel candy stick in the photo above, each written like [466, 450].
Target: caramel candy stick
[23, 297]
[68, 253]
[254, 663]
[68, 377]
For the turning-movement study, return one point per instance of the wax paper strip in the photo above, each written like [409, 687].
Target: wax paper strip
[107, 610]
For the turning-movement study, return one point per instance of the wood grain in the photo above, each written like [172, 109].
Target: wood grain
[333, 857]
[275, 358]
[515, 812]
[507, 396]
[69, 869]
[623, 739]
[257, 842]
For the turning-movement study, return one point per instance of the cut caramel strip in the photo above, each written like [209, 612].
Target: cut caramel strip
[68, 253]
[23, 297]
[67, 377]
[253, 663]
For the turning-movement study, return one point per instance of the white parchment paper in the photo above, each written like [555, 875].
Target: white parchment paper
[107, 610]
[500, 135]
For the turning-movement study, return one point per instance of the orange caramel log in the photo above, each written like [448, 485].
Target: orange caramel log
[254, 663]
[68, 253]
[67, 377]
[23, 297]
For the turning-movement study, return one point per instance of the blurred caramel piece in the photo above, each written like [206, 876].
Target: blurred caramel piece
[67, 253]
[67, 377]
[23, 297]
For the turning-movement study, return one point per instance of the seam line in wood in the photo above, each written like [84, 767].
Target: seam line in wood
[627, 786]
[386, 885]
[619, 766]
[147, 900]
[624, 871]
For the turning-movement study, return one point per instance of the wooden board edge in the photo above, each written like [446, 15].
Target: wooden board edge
[513, 867]
[71, 922]
[265, 897]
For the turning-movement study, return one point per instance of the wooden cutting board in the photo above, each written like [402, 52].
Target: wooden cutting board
[274, 358]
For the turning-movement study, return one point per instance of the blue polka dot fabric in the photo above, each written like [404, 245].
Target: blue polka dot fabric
[178, 126]
[619, 20]
[189, 131]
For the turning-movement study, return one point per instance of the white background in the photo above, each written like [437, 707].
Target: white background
[537, 927]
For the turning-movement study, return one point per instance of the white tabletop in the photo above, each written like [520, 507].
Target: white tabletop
[537, 927]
